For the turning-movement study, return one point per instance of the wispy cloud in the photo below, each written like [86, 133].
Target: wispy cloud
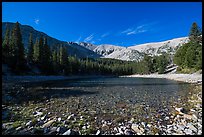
[105, 34]
[37, 21]
[136, 32]
[139, 29]
[89, 38]
[127, 30]
[78, 39]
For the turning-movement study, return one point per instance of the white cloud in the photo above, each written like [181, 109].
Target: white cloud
[89, 38]
[141, 26]
[136, 32]
[37, 21]
[105, 34]
[130, 33]
[139, 29]
[127, 30]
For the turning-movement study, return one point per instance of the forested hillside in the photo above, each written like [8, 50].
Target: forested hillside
[189, 56]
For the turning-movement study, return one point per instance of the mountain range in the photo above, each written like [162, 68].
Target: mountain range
[83, 49]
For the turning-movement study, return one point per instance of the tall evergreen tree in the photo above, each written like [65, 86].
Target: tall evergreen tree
[30, 49]
[195, 32]
[41, 49]
[63, 55]
[6, 46]
[36, 51]
[190, 57]
[17, 49]
[46, 58]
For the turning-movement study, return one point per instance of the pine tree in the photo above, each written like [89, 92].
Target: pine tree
[17, 49]
[195, 32]
[46, 58]
[179, 57]
[190, 57]
[63, 56]
[6, 46]
[199, 58]
[36, 51]
[41, 49]
[30, 49]
[55, 62]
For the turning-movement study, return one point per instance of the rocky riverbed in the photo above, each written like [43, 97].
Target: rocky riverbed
[25, 110]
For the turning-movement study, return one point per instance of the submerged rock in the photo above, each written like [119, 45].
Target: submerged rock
[48, 124]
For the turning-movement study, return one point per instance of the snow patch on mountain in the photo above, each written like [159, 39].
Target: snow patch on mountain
[157, 48]
[136, 53]
[106, 49]
[88, 45]
[126, 54]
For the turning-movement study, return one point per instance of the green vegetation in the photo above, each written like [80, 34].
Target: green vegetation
[189, 56]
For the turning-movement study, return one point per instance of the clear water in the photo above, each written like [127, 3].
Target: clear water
[108, 92]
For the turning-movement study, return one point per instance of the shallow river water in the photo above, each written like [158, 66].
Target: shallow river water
[113, 95]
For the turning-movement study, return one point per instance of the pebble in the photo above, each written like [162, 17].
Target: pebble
[18, 128]
[166, 118]
[191, 127]
[68, 132]
[98, 132]
[53, 129]
[29, 123]
[120, 130]
[46, 130]
[38, 114]
[48, 123]
[59, 119]
[44, 117]
[135, 128]
[128, 132]
[188, 132]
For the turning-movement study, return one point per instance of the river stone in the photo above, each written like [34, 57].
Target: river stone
[29, 123]
[49, 123]
[38, 113]
[177, 134]
[166, 118]
[61, 130]
[59, 119]
[136, 129]
[44, 117]
[199, 132]
[105, 127]
[191, 127]
[98, 132]
[68, 132]
[18, 128]
[188, 132]
[46, 130]
[53, 129]
[128, 132]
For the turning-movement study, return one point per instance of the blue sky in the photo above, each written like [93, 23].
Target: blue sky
[118, 23]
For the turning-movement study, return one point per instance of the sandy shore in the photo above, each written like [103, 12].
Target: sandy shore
[190, 78]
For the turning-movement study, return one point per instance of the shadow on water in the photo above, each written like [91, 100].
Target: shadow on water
[41, 91]
[40, 94]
